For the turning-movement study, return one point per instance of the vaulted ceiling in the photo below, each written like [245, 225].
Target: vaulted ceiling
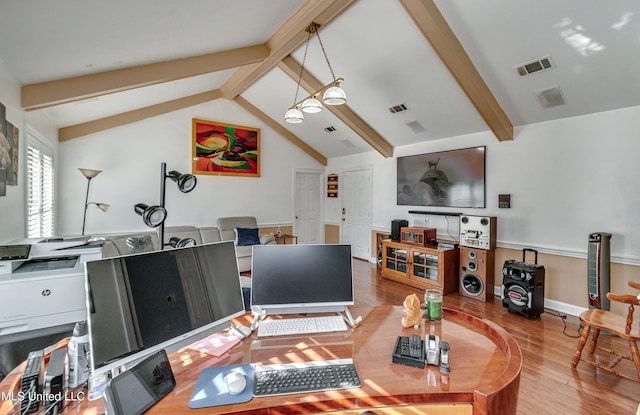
[451, 65]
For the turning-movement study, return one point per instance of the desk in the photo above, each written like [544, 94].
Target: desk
[485, 369]
[292, 238]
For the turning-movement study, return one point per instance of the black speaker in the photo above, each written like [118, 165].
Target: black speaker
[523, 286]
[396, 224]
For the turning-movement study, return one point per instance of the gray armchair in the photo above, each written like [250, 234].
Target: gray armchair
[227, 228]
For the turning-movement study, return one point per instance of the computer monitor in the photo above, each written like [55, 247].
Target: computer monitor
[294, 279]
[139, 304]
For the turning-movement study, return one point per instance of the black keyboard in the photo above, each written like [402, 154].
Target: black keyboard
[305, 377]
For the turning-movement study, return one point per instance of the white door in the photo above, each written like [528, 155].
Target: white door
[356, 212]
[307, 207]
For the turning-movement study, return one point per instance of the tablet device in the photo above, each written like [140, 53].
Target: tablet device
[141, 387]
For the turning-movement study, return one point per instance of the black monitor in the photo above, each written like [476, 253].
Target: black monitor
[139, 304]
[293, 279]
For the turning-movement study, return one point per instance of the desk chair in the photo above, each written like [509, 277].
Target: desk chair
[615, 324]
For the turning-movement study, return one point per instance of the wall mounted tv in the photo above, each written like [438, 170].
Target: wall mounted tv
[453, 178]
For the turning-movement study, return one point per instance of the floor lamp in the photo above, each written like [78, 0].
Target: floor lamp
[90, 174]
[154, 216]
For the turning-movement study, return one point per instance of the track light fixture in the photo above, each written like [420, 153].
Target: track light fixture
[332, 93]
[181, 243]
[186, 182]
[152, 216]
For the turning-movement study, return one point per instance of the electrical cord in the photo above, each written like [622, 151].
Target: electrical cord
[563, 317]
[17, 411]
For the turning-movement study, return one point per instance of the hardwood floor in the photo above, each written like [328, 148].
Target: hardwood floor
[548, 383]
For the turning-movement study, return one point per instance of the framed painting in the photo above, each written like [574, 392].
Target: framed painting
[225, 149]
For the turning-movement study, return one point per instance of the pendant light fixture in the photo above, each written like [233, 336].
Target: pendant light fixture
[332, 93]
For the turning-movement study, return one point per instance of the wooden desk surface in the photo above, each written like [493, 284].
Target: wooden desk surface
[485, 368]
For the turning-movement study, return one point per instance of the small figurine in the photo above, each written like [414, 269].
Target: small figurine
[412, 311]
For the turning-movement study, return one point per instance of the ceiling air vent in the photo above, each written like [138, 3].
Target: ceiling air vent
[347, 143]
[398, 108]
[538, 65]
[415, 126]
[330, 129]
[550, 97]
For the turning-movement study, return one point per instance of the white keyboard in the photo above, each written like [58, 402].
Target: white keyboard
[302, 325]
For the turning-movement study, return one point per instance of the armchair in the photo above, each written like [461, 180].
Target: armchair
[227, 228]
[626, 327]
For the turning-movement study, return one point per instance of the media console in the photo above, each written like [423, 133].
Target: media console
[420, 267]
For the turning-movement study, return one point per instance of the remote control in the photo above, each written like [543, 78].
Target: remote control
[415, 346]
[404, 345]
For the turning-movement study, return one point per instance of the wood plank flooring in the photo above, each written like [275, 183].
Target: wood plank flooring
[548, 383]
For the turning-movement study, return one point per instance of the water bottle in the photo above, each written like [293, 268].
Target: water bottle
[78, 350]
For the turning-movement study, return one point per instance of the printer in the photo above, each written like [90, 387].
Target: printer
[42, 282]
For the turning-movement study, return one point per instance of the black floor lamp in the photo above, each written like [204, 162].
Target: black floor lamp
[154, 216]
[90, 174]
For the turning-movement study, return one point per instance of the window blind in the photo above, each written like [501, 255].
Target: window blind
[40, 190]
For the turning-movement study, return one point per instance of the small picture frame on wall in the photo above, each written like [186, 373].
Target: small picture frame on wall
[225, 149]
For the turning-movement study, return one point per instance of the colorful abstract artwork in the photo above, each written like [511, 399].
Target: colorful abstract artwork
[225, 149]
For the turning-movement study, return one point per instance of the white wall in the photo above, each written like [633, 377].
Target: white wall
[12, 211]
[567, 178]
[130, 158]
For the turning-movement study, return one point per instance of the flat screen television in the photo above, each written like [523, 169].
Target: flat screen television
[139, 304]
[453, 178]
[294, 279]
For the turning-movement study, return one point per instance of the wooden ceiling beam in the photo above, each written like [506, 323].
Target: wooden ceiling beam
[252, 109]
[436, 30]
[80, 130]
[286, 39]
[343, 112]
[47, 94]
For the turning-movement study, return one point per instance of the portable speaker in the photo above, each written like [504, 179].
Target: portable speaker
[523, 286]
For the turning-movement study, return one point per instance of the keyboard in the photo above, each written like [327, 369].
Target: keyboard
[302, 325]
[305, 377]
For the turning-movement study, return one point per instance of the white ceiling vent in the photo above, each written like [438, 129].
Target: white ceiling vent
[347, 143]
[538, 65]
[550, 97]
[398, 108]
[415, 126]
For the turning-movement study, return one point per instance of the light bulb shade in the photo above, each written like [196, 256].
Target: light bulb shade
[186, 182]
[294, 116]
[89, 173]
[103, 206]
[152, 216]
[176, 242]
[311, 106]
[334, 96]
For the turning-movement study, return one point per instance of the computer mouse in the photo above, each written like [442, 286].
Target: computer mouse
[236, 382]
[240, 332]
